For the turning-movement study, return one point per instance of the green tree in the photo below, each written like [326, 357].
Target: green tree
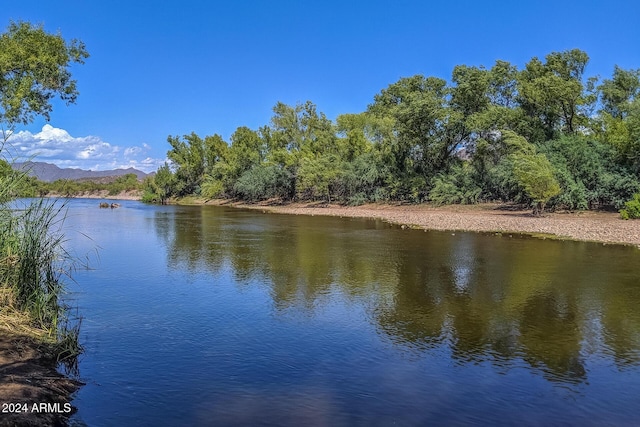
[534, 172]
[165, 183]
[619, 92]
[620, 115]
[122, 183]
[358, 134]
[317, 176]
[193, 157]
[34, 69]
[553, 94]
[248, 149]
[426, 131]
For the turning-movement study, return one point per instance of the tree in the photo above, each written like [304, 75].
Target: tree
[193, 157]
[34, 69]
[426, 131]
[619, 92]
[534, 172]
[553, 94]
[317, 176]
[620, 114]
[164, 181]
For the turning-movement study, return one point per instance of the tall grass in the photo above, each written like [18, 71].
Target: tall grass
[33, 264]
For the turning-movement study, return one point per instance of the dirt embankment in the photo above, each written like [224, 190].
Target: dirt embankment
[104, 194]
[32, 392]
[605, 227]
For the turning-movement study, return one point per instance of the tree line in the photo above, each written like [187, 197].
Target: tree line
[544, 135]
[30, 186]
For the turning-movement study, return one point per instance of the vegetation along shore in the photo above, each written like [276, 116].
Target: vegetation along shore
[37, 331]
[546, 136]
[427, 152]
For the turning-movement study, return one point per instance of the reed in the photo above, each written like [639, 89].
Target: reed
[33, 266]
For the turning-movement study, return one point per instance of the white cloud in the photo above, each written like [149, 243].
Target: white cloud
[54, 145]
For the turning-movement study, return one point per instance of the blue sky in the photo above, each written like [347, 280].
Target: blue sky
[160, 68]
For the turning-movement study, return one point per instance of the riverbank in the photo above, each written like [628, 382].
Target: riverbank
[594, 226]
[603, 227]
[103, 194]
[28, 376]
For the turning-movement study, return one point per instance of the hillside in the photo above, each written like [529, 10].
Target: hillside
[48, 172]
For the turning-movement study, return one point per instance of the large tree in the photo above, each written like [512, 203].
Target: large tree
[427, 130]
[553, 95]
[34, 70]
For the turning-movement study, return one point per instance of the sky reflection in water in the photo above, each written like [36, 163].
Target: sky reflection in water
[210, 316]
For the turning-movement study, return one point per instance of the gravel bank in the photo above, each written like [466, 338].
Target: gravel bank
[605, 227]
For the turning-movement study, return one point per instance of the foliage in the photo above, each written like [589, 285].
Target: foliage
[631, 208]
[535, 174]
[553, 95]
[588, 173]
[264, 182]
[34, 69]
[318, 177]
[127, 182]
[211, 187]
[456, 187]
[426, 129]
[619, 92]
[546, 133]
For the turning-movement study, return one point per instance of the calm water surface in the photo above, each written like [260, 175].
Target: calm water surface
[213, 316]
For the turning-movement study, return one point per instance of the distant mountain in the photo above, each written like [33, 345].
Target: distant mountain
[49, 173]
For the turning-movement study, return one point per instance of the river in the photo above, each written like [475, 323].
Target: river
[219, 316]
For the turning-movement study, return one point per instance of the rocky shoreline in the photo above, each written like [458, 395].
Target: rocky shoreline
[603, 227]
[593, 226]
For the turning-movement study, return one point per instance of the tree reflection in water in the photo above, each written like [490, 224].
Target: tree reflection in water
[497, 299]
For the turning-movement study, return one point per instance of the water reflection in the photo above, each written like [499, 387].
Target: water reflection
[484, 299]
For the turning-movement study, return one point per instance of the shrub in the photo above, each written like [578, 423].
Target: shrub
[631, 208]
[211, 188]
[589, 174]
[263, 182]
[535, 175]
[456, 187]
[358, 199]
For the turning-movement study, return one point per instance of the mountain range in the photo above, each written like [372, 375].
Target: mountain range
[48, 172]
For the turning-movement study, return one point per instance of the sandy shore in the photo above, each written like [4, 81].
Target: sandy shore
[104, 194]
[605, 227]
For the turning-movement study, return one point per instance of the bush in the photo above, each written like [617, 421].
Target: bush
[535, 175]
[499, 182]
[358, 199]
[456, 187]
[589, 174]
[149, 196]
[264, 182]
[631, 208]
[211, 188]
